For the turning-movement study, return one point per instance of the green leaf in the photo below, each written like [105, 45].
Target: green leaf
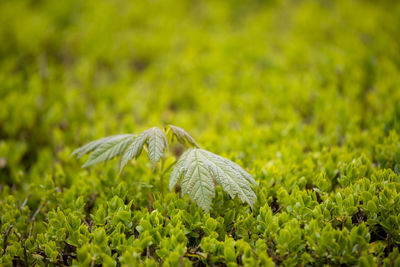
[197, 180]
[182, 136]
[199, 168]
[177, 171]
[110, 148]
[79, 152]
[156, 142]
[134, 149]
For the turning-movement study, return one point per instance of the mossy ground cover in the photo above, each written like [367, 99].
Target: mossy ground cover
[303, 94]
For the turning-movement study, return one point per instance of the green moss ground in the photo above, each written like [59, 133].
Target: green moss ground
[304, 94]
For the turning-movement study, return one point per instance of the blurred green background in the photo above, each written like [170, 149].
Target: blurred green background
[238, 75]
[288, 89]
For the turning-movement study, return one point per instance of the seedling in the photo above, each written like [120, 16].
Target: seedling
[199, 169]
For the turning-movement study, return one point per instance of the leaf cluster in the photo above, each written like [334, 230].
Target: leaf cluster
[201, 170]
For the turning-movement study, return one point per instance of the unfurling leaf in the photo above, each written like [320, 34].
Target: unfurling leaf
[200, 170]
[198, 167]
[133, 150]
[79, 152]
[182, 136]
[156, 143]
[108, 148]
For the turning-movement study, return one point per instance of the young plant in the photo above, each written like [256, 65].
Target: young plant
[199, 169]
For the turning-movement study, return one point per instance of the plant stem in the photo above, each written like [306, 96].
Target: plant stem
[162, 184]
[162, 176]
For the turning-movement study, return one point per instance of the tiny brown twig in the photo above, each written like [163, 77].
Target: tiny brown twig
[181, 261]
[37, 211]
[7, 233]
[196, 248]
[232, 230]
[89, 226]
[33, 218]
[25, 201]
[23, 246]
